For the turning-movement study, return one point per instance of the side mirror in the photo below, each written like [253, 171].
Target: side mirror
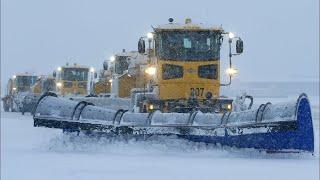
[54, 74]
[105, 65]
[95, 75]
[239, 46]
[141, 46]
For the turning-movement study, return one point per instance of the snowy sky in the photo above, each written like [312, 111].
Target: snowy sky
[281, 37]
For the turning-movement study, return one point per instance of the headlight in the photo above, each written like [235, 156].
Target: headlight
[92, 69]
[14, 76]
[231, 71]
[14, 88]
[110, 80]
[112, 58]
[150, 35]
[151, 107]
[59, 69]
[229, 106]
[59, 84]
[231, 35]
[151, 70]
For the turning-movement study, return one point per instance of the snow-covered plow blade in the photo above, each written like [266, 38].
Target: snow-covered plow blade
[285, 127]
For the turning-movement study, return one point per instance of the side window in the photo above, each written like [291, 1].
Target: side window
[170, 71]
[209, 43]
[208, 71]
[158, 44]
[187, 43]
[121, 64]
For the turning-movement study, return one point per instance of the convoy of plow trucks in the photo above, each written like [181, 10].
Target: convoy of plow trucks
[170, 86]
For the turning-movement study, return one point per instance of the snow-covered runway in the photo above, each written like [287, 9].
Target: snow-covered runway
[40, 153]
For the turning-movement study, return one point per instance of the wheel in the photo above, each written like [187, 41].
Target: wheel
[23, 109]
[6, 107]
[13, 107]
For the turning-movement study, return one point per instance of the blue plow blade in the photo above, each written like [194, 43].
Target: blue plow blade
[259, 129]
[299, 139]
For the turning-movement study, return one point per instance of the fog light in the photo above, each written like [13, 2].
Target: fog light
[229, 106]
[231, 35]
[209, 95]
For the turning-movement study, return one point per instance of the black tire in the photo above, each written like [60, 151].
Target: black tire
[23, 109]
[6, 108]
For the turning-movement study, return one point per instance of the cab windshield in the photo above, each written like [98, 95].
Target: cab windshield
[26, 80]
[75, 74]
[188, 45]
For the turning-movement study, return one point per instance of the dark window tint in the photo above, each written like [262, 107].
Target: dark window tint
[208, 71]
[26, 80]
[170, 71]
[121, 64]
[24, 83]
[75, 74]
[188, 45]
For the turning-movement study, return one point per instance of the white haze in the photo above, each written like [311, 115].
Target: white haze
[281, 37]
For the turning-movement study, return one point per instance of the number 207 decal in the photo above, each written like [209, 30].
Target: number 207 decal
[197, 91]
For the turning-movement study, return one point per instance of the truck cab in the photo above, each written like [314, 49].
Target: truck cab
[73, 79]
[184, 62]
[22, 82]
[122, 72]
[18, 87]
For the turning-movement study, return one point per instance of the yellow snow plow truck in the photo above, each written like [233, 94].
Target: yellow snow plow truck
[184, 68]
[44, 84]
[19, 97]
[73, 80]
[122, 73]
